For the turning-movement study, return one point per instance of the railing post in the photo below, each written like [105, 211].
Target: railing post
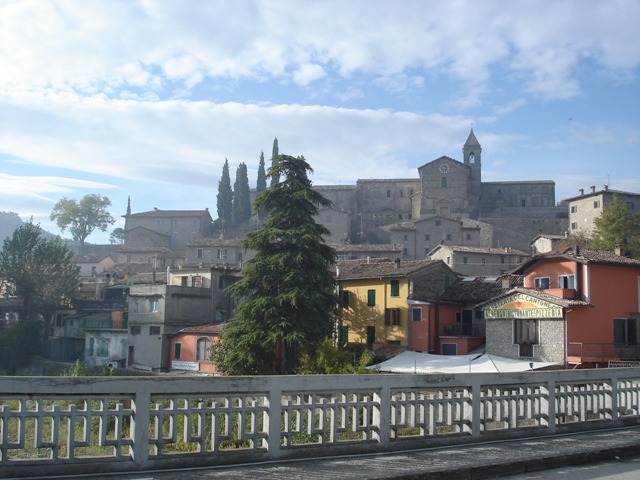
[274, 417]
[476, 392]
[383, 416]
[140, 424]
[551, 406]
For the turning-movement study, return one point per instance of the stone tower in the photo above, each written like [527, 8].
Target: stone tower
[472, 157]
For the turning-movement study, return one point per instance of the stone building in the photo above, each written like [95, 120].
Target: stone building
[478, 261]
[586, 207]
[470, 211]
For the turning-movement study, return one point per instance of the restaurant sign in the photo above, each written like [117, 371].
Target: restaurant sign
[521, 305]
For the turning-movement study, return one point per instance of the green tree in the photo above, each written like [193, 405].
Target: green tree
[274, 155]
[117, 236]
[41, 273]
[261, 183]
[225, 195]
[82, 218]
[616, 225]
[241, 208]
[286, 292]
[331, 360]
[18, 342]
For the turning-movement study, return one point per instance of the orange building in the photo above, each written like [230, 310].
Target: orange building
[578, 307]
[190, 348]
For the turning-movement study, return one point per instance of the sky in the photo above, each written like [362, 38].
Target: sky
[145, 99]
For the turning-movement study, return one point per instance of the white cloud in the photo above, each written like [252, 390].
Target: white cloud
[307, 74]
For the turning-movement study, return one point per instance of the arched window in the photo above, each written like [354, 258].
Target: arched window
[203, 347]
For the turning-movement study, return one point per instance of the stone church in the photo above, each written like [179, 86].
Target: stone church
[449, 204]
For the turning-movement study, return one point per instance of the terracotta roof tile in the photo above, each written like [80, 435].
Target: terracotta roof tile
[379, 267]
[478, 289]
[587, 256]
[214, 328]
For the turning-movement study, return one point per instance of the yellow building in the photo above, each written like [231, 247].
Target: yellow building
[375, 293]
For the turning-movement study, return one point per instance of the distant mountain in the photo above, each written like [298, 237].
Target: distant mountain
[9, 221]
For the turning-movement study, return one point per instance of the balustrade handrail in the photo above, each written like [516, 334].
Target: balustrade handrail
[603, 351]
[78, 425]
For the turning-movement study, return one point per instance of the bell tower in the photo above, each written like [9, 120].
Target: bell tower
[472, 157]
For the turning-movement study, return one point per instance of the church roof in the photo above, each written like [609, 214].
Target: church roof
[472, 140]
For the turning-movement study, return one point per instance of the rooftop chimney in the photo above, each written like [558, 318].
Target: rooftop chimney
[581, 191]
[593, 189]
[576, 250]
[397, 262]
[620, 250]
[606, 187]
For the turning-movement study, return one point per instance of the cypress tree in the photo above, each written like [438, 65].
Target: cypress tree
[241, 209]
[287, 289]
[261, 184]
[225, 195]
[128, 205]
[275, 178]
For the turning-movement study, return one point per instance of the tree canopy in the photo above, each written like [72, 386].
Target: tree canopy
[41, 273]
[225, 195]
[286, 292]
[83, 217]
[241, 209]
[117, 236]
[617, 225]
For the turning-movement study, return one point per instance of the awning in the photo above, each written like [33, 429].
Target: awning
[414, 362]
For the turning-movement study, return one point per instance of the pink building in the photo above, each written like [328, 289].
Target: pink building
[190, 348]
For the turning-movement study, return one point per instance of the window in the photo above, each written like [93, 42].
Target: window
[410, 191]
[625, 331]
[196, 281]
[484, 262]
[448, 236]
[499, 191]
[566, 281]
[525, 331]
[153, 305]
[427, 237]
[464, 260]
[220, 282]
[177, 350]
[501, 258]
[438, 223]
[541, 283]
[222, 253]
[388, 193]
[409, 216]
[103, 347]
[371, 335]
[345, 298]
[416, 314]
[448, 260]
[136, 329]
[154, 330]
[574, 226]
[174, 235]
[443, 182]
[523, 202]
[199, 253]
[392, 316]
[395, 288]
[239, 256]
[401, 193]
[631, 205]
[596, 204]
[468, 236]
[574, 208]
[203, 345]
[405, 237]
[400, 218]
[194, 222]
[371, 298]
[91, 345]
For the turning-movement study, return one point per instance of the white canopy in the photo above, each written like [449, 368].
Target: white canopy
[414, 362]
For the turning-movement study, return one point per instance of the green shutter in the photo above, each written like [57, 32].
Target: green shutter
[344, 334]
[395, 288]
[371, 298]
[387, 316]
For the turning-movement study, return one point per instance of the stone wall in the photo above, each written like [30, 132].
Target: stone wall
[551, 349]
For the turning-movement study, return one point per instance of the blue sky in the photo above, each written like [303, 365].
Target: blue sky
[147, 98]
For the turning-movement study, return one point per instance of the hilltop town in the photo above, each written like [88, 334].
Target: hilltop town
[443, 263]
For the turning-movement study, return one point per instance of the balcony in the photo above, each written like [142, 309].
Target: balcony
[462, 330]
[578, 352]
